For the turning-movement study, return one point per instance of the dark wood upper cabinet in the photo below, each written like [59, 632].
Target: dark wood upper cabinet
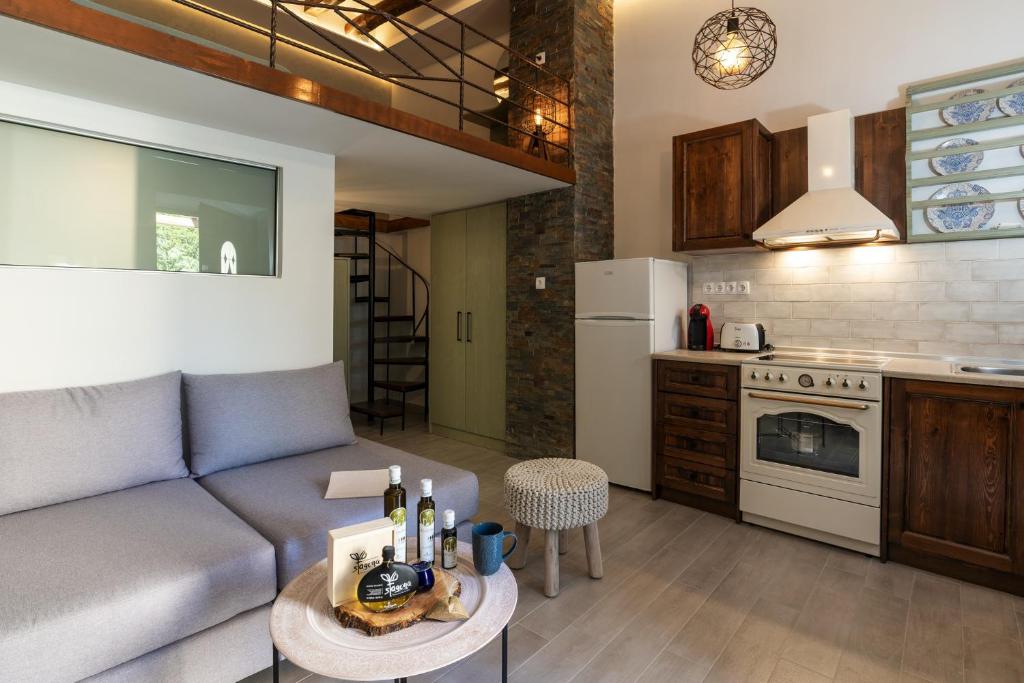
[721, 186]
[956, 480]
[729, 180]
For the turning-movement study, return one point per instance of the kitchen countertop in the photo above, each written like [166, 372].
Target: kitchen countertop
[716, 357]
[903, 366]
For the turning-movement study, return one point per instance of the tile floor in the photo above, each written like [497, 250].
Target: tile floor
[688, 596]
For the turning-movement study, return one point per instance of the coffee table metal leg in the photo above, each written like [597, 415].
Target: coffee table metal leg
[504, 654]
[276, 667]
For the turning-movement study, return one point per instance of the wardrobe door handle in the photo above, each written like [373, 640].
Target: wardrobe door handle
[458, 326]
[469, 327]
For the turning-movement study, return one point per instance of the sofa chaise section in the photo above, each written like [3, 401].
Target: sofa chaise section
[265, 444]
[284, 499]
[92, 583]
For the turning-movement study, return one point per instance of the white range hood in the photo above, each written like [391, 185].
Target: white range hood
[831, 212]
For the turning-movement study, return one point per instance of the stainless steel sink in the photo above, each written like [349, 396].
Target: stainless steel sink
[991, 370]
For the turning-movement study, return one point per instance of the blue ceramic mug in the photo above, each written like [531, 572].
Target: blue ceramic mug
[488, 541]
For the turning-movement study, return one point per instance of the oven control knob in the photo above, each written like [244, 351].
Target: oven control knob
[863, 384]
[783, 377]
[829, 382]
[768, 376]
[753, 374]
[846, 383]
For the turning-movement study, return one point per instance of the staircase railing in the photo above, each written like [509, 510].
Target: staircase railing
[422, 322]
[540, 98]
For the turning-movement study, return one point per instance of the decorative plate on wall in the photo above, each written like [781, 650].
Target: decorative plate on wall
[967, 112]
[960, 217]
[1013, 105]
[957, 163]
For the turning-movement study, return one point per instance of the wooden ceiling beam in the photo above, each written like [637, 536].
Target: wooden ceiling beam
[395, 8]
[344, 220]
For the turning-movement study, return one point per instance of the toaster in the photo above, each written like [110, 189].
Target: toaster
[742, 337]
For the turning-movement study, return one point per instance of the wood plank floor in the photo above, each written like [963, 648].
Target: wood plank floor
[688, 596]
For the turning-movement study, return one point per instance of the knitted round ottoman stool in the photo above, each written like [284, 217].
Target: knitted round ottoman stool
[556, 494]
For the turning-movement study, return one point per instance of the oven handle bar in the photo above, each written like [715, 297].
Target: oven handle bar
[808, 401]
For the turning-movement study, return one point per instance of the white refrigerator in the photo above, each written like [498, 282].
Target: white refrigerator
[626, 310]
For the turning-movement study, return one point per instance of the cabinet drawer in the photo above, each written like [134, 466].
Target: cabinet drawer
[694, 412]
[717, 449]
[698, 379]
[697, 479]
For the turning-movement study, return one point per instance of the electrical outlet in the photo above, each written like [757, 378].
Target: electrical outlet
[541, 58]
[719, 288]
[541, 283]
[709, 287]
[730, 287]
[743, 288]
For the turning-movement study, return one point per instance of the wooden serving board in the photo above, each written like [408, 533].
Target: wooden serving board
[352, 614]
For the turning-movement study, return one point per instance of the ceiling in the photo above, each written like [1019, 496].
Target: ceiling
[377, 168]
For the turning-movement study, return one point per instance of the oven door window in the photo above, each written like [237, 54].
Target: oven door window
[809, 441]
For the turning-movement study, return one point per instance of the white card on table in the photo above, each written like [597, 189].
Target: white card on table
[357, 484]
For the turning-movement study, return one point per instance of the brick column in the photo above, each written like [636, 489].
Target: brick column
[549, 231]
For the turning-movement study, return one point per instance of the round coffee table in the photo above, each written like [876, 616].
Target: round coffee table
[305, 630]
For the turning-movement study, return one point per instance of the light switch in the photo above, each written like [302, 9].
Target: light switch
[541, 283]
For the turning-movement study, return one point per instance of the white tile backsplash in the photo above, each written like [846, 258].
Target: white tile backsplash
[962, 298]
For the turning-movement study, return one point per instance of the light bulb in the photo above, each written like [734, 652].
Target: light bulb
[733, 55]
[537, 118]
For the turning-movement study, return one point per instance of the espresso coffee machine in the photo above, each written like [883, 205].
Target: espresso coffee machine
[700, 333]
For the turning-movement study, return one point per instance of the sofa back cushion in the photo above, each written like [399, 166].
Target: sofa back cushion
[236, 420]
[63, 444]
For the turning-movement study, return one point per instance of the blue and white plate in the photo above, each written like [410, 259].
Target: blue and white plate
[957, 163]
[967, 112]
[960, 217]
[1013, 105]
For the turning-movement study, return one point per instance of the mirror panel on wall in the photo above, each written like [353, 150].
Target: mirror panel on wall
[71, 200]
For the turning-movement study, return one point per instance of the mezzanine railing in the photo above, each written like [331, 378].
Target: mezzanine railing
[538, 102]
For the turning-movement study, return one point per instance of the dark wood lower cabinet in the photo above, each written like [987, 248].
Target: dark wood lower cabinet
[696, 435]
[956, 480]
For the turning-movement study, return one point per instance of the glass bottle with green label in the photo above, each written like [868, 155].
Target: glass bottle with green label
[394, 507]
[425, 517]
[449, 541]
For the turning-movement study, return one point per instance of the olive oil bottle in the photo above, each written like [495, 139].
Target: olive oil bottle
[425, 518]
[394, 507]
[388, 586]
[449, 541]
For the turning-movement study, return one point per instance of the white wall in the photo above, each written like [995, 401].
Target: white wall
[75, 326]
[962, 298]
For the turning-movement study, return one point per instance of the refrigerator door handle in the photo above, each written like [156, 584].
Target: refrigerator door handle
[469, 327]
[458, 326]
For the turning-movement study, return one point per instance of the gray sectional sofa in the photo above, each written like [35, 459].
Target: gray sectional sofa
[146, 527]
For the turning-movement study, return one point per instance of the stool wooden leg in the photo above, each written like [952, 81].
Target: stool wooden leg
[551, 563]
[563, 541]
[518, 559]
[593, 541]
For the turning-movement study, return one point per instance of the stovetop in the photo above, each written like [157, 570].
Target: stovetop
[821, 360]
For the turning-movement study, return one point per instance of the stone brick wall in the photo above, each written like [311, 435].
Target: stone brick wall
[548, 232]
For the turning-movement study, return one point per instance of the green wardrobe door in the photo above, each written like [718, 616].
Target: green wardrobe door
[448, 320]
[485, 307]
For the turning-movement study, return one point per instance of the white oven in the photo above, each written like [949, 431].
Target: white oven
[811, 452]
[823, 445]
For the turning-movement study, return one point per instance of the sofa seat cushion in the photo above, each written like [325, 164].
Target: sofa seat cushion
[61, 444]
[96, 582]
[284, 499]
[243, 419]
